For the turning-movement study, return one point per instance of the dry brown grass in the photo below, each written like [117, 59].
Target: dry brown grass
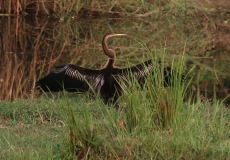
[22, 63]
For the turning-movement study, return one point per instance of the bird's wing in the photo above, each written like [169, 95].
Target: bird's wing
[139, 72]
[71, 78]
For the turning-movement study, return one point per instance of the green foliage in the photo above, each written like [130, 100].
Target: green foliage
[161, 98]
[88, 129]
[82, 132]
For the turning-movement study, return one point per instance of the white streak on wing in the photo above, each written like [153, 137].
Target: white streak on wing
[58, 70]
[143, 72]
[98, 83]
[122, 80]
[95, 82]
[75, 74]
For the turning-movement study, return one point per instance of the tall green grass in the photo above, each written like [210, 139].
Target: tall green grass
[143, 109]
[160, 97]
[100, 132]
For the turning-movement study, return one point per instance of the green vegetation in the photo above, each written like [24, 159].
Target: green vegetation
[37, 128]
[154, 122]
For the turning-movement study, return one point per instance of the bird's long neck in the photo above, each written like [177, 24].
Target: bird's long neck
[110, 63]
[108, 52]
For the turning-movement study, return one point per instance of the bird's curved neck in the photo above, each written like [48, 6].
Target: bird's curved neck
[108, 52]
[110, 63]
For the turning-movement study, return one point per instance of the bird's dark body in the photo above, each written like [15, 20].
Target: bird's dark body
[106, 82]
[109, 88]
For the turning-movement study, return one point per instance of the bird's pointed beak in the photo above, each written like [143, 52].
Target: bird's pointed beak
[119, 34]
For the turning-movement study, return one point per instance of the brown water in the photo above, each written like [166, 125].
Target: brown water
[30, 47]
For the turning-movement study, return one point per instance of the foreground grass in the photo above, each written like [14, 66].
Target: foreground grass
[30, 129]
[152, 123]
[37, 129]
